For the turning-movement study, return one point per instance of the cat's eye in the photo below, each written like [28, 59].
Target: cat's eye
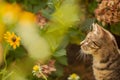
[94, 45]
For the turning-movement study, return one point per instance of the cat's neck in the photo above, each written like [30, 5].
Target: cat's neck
[106, 54]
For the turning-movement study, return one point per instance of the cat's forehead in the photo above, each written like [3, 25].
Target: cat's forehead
[92, 36]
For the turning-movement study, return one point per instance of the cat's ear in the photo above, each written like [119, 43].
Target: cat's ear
[96, 29]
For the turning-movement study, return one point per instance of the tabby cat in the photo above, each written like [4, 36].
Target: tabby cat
[106, 57]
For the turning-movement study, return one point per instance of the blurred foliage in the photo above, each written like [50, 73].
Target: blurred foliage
[115, 29]
[22, 22]
[90, 6]
[31, 5]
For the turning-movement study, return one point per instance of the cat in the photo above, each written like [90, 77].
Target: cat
[102, 45]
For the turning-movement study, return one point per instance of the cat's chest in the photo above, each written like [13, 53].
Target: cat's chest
[100, 70]
[107, 70]
[98, 64]
[101, 74]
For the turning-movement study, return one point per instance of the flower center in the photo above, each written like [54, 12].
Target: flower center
[13, 39]
[74, 76]
[36, 68]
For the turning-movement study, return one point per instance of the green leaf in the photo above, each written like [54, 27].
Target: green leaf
[115, 29]
[46, 13]
[59, 69]
[62, 60]
[33, 1]
[60, 53]
[75, 35]
[91, 6]
[18, 53]
[64, 42]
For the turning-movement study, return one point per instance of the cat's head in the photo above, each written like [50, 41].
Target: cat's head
[98, 40]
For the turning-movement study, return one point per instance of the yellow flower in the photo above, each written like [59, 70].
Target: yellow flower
[27, 19]
[10, 13]
[27, 16]
[12, 39]
[2, 30]
[73, 77]
[36, 68]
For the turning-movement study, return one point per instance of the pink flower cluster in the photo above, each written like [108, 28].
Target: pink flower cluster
[108, 11]
[45, 70]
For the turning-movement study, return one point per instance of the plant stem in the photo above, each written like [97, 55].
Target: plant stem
[4, 57]
[5, 54]
[43, 75]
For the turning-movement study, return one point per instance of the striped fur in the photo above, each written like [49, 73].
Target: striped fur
[106, 57]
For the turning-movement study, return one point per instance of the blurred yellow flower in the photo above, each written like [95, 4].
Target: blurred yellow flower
[27, 19]
[2, 30]
[10, 13]
[27, 16]
[12, 39]
[73, 77]
[36, 68]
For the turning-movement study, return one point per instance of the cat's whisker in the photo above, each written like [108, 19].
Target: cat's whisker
[77, 55]
[84, 58]
[80, 56]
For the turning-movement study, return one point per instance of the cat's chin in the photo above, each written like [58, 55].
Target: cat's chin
[85, 52]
